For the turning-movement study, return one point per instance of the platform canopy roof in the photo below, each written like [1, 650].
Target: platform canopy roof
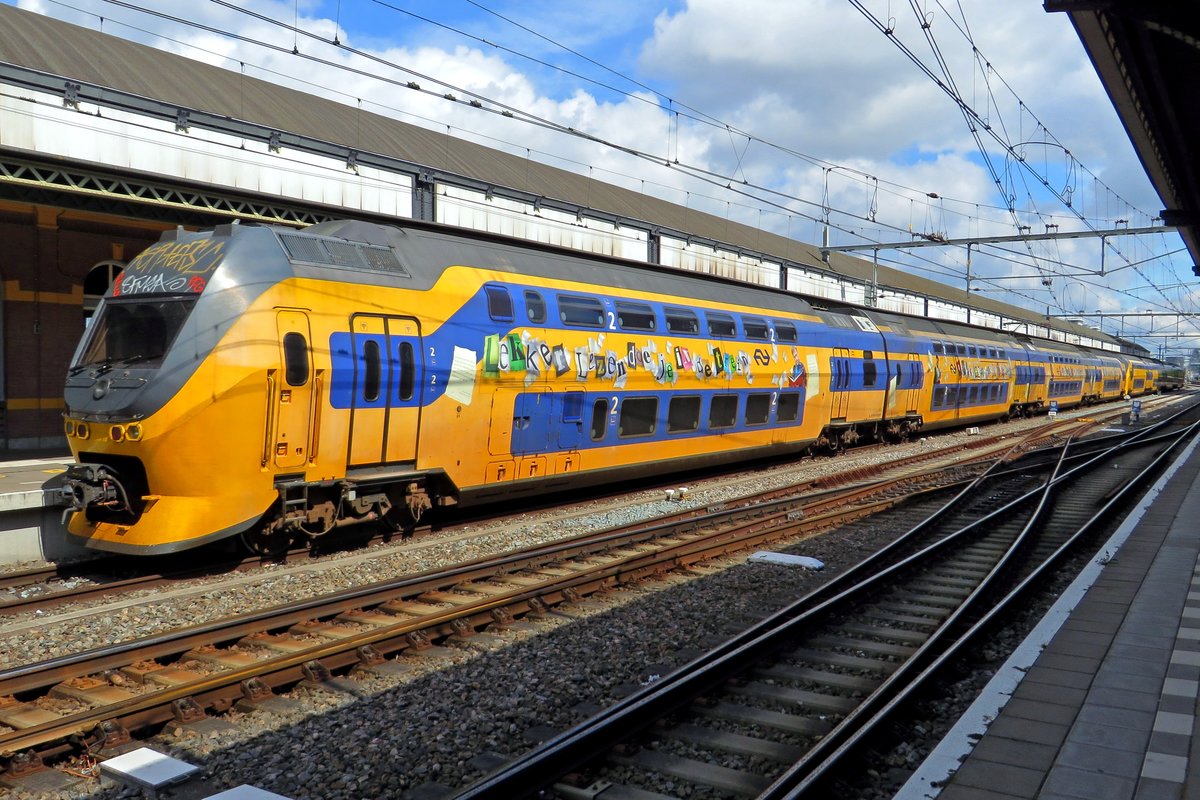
[1147, 54]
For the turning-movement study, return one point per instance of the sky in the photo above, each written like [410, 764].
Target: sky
[791, 115]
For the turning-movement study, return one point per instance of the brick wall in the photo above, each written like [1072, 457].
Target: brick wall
[46, 255]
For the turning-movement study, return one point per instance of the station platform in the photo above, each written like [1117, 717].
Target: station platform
[30, 512]
[1100, 701]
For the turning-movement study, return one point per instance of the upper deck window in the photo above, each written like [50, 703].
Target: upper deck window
[681, 320]
[785, 331]
[500, 305]
[585, 312]
[635, 316]
[721, 325]
[756, 328]
[535, 306]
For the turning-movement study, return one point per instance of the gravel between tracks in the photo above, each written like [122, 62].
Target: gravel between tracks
[479, 696]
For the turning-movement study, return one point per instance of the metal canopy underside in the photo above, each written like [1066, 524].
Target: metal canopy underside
[1147, 54]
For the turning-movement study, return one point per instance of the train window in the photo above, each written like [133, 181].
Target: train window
[500, 307]
[135, 331]
[535, 306]
[683, 413]
[869, 370]
[635, 316]
[788, 409]
[755, 328]
[681, 320]
[572, 408]
[758, 408]
[974, 394]
[962, 349]
[407, 370]
[599, 419]
[971, 350]
[583, 311]
[371, 370]
[639, 416]
[722, 412]
[295, 359]
[937, 348]
[939, 397]
[785, 332]
[721, 325]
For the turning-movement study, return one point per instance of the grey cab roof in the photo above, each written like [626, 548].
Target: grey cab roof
[39, 42]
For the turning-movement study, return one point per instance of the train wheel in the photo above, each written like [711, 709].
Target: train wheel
[268, 541]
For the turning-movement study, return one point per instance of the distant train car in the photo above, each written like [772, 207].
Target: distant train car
[1170, 377]
[1106, 379]
[276, 384]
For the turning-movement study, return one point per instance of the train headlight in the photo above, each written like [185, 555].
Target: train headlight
[69, 426]
[117, 433]
[81, 430]
[134, 433]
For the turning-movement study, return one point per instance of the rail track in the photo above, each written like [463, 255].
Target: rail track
[51, 586]
[100, 698]
[773, 712]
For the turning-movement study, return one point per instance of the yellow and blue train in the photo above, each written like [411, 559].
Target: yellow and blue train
[273, 383]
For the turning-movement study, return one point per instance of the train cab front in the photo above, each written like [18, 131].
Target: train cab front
[119, 390]
[109, 392]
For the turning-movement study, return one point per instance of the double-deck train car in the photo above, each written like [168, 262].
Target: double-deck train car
[1171, 377]
[274, 384]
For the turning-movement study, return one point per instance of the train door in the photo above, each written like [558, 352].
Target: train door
[531, 422]
[570, 430]
[908, 386]
[291, 393]
[839, 382]
[406, 357]
[372, 377]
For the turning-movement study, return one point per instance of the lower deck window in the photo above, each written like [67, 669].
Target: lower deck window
[788, 409]
[683, 414]
[639, 416]
[722, 413]
[599, 419]
[758, 408]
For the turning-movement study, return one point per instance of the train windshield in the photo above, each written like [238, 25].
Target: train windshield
[129, 331]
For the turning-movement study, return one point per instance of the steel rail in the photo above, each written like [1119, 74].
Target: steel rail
[152, 706]
[804, 777]
[571, 750]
